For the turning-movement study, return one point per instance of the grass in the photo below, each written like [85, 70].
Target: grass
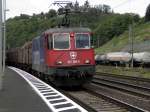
[140, 32]
[137, 72]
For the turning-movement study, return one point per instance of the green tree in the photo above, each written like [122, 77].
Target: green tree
[104, 24]
[51, 13]
[24, 16]
[147, 15]
[114, 25]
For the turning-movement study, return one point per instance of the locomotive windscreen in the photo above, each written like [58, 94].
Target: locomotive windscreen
[82, 40]
[61, 41]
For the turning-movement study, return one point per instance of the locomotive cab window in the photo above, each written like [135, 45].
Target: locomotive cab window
[82, 41]
[61, 41]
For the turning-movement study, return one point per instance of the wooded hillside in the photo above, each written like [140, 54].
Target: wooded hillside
[104, 23]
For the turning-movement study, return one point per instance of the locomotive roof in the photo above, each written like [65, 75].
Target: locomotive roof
[67, 30]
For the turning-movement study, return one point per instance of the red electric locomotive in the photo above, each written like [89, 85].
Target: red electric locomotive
[64, 55]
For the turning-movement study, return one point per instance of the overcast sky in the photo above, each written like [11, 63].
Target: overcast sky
[17, 7]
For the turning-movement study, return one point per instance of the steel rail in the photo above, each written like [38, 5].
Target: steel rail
[134, 89]
[94, 89]
[90, 107]
[124, 76]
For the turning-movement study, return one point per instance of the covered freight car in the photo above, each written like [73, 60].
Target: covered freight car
[26, 55]
[12, 56]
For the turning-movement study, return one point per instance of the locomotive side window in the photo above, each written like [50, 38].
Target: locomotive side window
[61, 41]
[82, 40]
[50, 42]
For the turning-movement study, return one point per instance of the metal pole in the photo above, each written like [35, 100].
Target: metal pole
[1, 72]
[131, 35]
[131, 44]
[4, 36]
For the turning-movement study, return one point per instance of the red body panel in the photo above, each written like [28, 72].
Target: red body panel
[54, 56]
[70, 57]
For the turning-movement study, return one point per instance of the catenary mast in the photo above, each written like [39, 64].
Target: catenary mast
[1, 71]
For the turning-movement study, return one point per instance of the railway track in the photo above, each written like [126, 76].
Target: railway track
[125, 90]
[108, 96]
[91, 101]
[144, 82]
[139, 91]
[94, 102]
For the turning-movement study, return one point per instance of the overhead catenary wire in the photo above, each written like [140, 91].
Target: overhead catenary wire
[123, 3]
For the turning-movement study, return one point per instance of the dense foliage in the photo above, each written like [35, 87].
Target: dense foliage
[141, 40]
[24, 28]
[147, 15]
[101, 19]
[115, 25]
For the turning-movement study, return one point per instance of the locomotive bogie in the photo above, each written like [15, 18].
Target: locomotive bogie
[71, 76]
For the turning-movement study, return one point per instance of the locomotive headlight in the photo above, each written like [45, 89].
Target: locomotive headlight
[59, 62]
[87, 61]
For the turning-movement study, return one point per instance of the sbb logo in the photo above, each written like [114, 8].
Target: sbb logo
[73, 55]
